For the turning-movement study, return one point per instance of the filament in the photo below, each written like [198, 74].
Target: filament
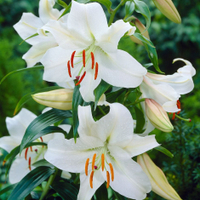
[86, 166]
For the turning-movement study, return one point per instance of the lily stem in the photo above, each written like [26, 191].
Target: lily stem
[47, 187]
[131, 104]
[113, 12]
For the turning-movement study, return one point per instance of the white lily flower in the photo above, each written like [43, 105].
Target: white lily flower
[88, 51]
[166, 89]
[23, 163]
[103, 152]
[30, 25]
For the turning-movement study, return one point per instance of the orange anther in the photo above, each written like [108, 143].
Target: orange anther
[92, 57]
[93, 161]
[41, 139]
[108, 179]
[82, 77]
[91, 179]
[86, 166]
[102, 161]
[72, 59]
[26, 152]
[4, 162]
[29, 163]
[179, 106]
[111, 171]
[68, 67]
[31, 148]
[96, 71]
[173, 117]
[83, 58]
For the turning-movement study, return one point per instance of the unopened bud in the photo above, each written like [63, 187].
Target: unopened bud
[168, 9]
[158, 180]
[142, 30]
[157, 116]
[60, 98]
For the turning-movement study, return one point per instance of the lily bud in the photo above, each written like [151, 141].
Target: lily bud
[168, 9]
[157, 116]
[142, 30]
[60, 98]
[158, 180]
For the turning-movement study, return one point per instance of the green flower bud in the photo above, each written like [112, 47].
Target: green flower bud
[157, 116]
[168, 9]
[60, 98]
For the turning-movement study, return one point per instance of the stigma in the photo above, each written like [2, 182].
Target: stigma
[99, 163]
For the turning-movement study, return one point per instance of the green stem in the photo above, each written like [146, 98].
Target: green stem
[113, 12]
[102, 111]
[47, 187]
[131, 104]
[186, 120]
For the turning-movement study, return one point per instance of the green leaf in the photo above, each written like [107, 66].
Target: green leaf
[42, 162]
[151, 50]
[101, 89]
[41, 122]
[28, 97]
[165, 151]
[106, 3]
[142, 8]
[140, 120]
[6, 189]
[62, 3]
[65, 11]
[21, 70]
[76, 101]
[129, 8]
[30, 181]
[65, 189]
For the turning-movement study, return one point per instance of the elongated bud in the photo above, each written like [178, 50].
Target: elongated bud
[60, 98]
[142, 30]
[168, 9]
[158, 180]
[157, 116]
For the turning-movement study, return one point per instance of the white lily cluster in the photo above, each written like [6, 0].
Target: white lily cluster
[80, 49]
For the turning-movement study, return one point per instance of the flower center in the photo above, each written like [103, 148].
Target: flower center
[96, 164]
[87, 57]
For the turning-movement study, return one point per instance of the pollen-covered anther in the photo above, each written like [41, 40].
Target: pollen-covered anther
[41, 139]
[91, 179]
[72, 59]
[83, 54]
[102, 161]
[29, 163]
[69, 69]
[96, 71]
[82, 77]
[4, 162]
[108, 179]
[26, 152]
[92, 58]
[111, 171]
[86, 166]
[178, 105]
[31, 148]
[93, 161]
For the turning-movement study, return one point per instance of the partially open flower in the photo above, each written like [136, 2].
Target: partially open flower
[60, 98]
[159, 182]
[168, 9]
[157, 116]
[142, 30]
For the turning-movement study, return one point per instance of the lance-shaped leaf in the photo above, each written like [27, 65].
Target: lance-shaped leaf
[41, 122]
[30, 181]
[165, 151]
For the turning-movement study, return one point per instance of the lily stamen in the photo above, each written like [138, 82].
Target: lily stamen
[91, 179]
[72, 59]
[31, 148]
[29, 163]
[68, 67]
[96, 71]
[26, 152]
[86, 166]
[83, 58]
[92, 58]
[108, 179]
[93, 161]
[102, 161]
[111, 171]
[82, 77]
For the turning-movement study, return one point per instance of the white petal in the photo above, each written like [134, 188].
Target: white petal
[139, 145]
[27, 26]
[8, 143]
[85, 191]
[129, 179]
[65, 175]
[109, 40]
[119, 69]
[36, 52]
[18, 124]
[46, 11]
[68, 155]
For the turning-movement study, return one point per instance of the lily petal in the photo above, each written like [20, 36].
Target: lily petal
[8, 143]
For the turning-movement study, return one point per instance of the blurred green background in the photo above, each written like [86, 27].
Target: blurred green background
[171, 40]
